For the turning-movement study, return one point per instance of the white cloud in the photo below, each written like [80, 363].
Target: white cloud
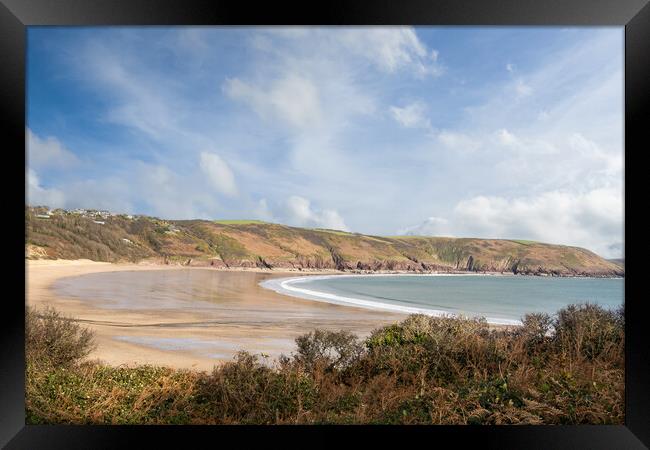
[38, 195]
[48, 152]
[142, 188]
[556, 161]
[522, 89]
[432, 226]
[300, 208]
[506, 138]
[331, 219]
[293, 99]
[111, 193]
[411, 116]
[301, 213]
[262, 211]
[311, 92]
[218, 173]
[393, 49]
[146, 189]
[171, 195]
[592, 219]
[457, 141]
[390, 49]
[192, 40]
[588, 149]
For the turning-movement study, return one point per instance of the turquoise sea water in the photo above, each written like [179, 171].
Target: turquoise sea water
[501, 299]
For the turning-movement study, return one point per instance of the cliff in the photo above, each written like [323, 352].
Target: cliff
[114, 238]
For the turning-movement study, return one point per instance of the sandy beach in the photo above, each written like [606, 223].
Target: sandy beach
[184, 335]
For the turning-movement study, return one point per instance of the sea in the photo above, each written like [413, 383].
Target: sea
[501, 299]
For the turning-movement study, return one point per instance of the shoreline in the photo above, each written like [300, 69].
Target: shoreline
[255, 319]
[329, 271]
[254, 322]
[286, 286]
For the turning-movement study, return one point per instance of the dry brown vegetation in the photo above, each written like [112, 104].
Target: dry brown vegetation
[266, 245]
[565, 369]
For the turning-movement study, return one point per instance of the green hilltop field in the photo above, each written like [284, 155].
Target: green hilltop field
[250, 243]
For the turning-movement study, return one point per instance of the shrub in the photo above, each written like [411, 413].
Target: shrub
[328, 349]
[588, 330]
[245, 391]
[423, 370]
[535, 331]
[54, 340]
[420, 329]
[445, 347]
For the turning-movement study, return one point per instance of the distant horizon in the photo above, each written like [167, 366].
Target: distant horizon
[515, 132]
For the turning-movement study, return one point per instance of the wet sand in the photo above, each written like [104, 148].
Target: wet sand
[142, 325]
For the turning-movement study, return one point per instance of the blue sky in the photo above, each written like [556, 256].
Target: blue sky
[510, 132]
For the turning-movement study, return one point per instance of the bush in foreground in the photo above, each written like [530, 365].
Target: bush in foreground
[54, 340]
[566, 369]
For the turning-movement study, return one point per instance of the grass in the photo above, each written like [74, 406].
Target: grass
[562, 369]
[523, 241]
[337, 232]
[239, 222]
[618, 261]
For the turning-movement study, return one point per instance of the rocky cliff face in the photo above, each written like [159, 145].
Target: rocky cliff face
[268, 246]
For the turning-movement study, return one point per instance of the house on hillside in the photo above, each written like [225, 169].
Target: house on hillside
[100, 222]
[43, 216]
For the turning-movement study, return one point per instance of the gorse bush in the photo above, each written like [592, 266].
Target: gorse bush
[562, 369]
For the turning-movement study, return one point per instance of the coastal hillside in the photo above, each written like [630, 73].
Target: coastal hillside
[102, 236]
[618, 261]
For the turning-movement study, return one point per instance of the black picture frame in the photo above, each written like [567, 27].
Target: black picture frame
[16, 15]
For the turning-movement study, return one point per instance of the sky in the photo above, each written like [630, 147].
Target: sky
[492, 132]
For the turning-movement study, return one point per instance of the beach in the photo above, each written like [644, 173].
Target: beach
[252, 318]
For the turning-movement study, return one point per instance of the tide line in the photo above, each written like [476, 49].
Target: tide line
[287, 286]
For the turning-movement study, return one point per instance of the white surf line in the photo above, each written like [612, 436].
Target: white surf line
[286, 286]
